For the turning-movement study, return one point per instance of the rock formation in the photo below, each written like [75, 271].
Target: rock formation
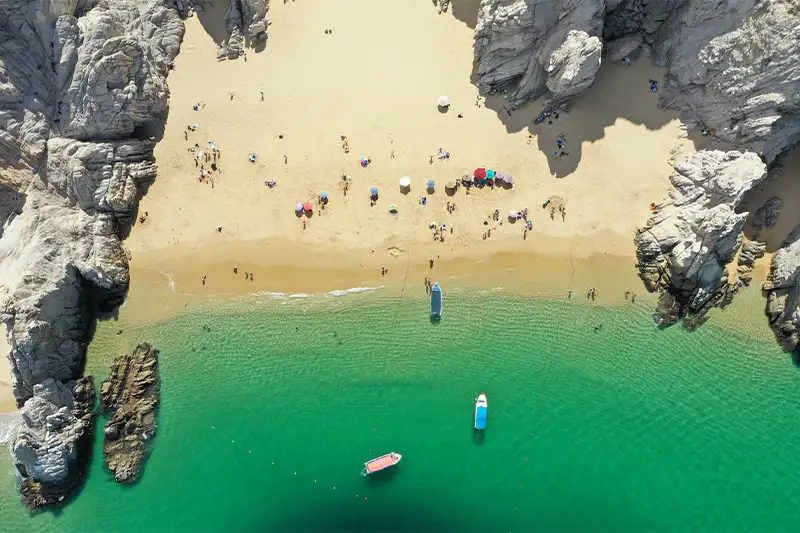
[52, 448]
[767, 215]
[80, 83]
[686, 245]
[733, 66]
[131, 395]
[783, 292]
[244, 19]
[515, 41]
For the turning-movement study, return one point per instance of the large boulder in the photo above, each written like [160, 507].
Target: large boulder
[516, 39]
[686, 245]
[573, 65]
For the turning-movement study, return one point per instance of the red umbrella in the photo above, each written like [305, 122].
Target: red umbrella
[307, 206]
[480, 173]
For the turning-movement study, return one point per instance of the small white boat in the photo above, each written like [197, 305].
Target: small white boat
[481, 408]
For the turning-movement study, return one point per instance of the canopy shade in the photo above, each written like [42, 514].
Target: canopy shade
[480, 173]
[405, 182]
[444, 101]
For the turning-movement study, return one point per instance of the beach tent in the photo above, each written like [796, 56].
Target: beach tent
[444, 101]
[373, 192]
[307, 206]
[431, 184]
[405, 181]
[480, 173]
[393, 209]
[298, 207]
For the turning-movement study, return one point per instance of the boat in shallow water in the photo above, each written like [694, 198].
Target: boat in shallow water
[481, 408]
[381, 463]
[436, 301]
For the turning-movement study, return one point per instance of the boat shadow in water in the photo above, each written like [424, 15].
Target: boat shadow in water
[479, 436]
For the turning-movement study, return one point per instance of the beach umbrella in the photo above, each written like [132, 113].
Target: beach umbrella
[480, 173]
[490, 174]
[444, 101]
[307, 206]
[393, 209]
[451, 185]
[405, 181]
[513, 213]
[373, 191]
[298, 207]
[323, 195]
[431, 184]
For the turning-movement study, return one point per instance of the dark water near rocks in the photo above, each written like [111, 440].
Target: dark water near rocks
[266, 421]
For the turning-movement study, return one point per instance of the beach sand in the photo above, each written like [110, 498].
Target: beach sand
[380, 87]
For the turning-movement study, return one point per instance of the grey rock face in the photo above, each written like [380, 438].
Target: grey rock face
[243, 19]
[573, 65]
[77, 80]
[51, 449]
[690, 239]
[783, 292]
[767, 215]
[515, 39]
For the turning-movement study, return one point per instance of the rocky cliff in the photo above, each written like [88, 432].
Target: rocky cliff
[733, 67]
[80, 84]
[783, 292]
[691, 238]
[131, 395]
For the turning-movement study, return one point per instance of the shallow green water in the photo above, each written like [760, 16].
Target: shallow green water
[267, 419]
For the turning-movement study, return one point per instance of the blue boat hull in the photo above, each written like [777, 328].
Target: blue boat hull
[436, 301]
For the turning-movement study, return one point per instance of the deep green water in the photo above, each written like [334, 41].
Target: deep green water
[267, 419]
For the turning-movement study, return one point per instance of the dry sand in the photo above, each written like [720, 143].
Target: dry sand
[379, 87]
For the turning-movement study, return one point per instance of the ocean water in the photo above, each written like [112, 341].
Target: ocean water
[269, 413]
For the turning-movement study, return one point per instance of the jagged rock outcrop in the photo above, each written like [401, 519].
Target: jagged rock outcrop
[52, 448]
[783, 292]
[750, 253]
[733, 66]
[767, 215]
[686, 245]
[573, 65]
[515, 41]
[79, 84]
[131, 394]
[442, 5]
[244, 19]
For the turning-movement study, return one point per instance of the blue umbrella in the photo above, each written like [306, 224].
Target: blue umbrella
[374, 191]
[323, 195]
[431, 184]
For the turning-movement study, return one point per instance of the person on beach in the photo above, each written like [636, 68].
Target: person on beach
[203, 280]
[235, 270]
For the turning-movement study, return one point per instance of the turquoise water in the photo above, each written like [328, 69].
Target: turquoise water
[267, 418]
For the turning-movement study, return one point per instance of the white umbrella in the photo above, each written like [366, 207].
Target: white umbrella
[405, 182]
[444, 101]
[512, 213]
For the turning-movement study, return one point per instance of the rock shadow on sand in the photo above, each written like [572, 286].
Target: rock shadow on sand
[619, 92]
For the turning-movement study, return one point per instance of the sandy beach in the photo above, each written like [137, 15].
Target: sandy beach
[379, 88]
